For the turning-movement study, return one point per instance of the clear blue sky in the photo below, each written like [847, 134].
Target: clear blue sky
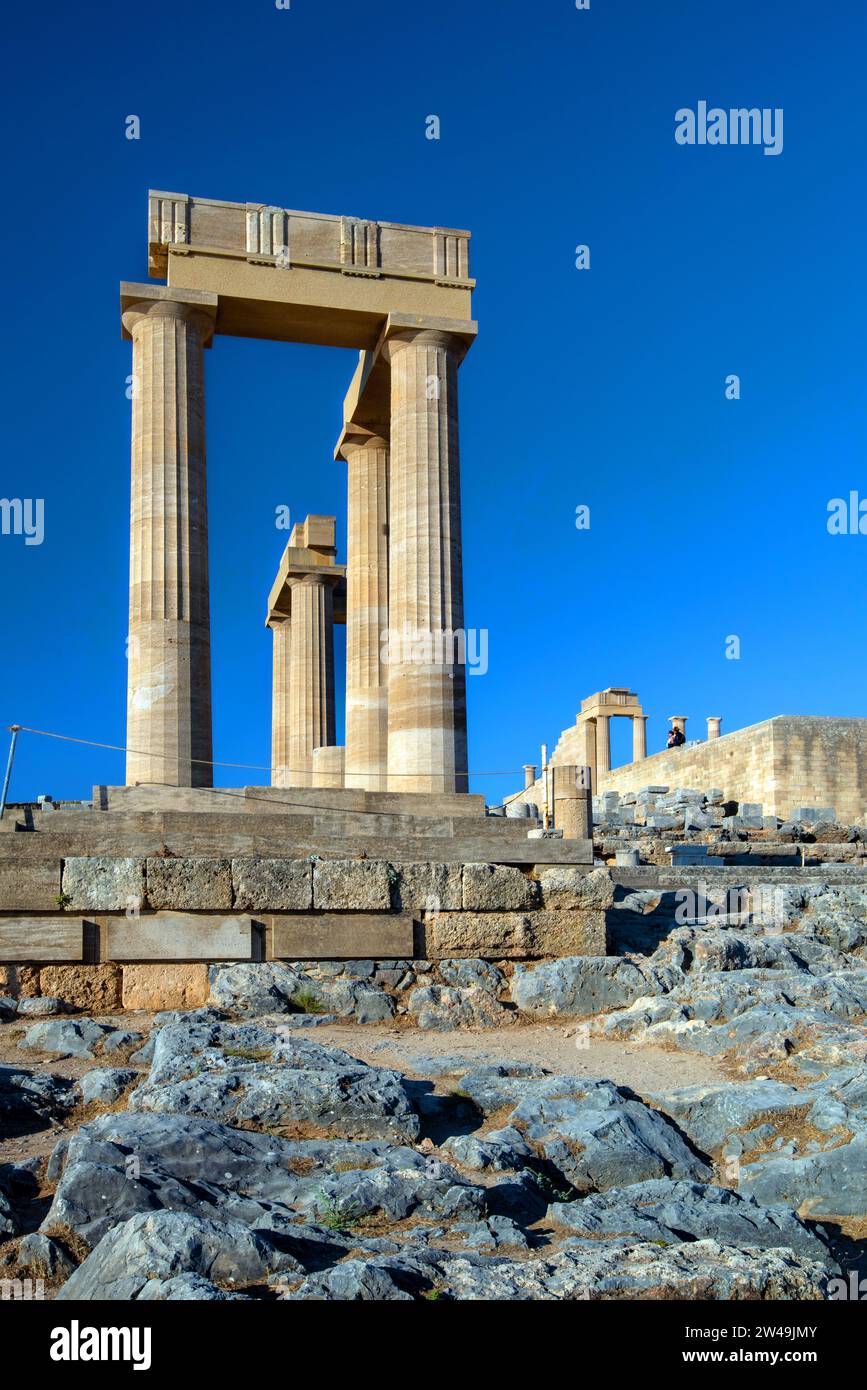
[708, 516]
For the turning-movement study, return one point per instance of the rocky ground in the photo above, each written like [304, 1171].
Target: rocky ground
[686, 1123]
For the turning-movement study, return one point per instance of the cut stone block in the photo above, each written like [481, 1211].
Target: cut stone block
[19, 981]
[29, 885]
[359, 936]
[94, 988]
[564, 886]
[180, 936]
[165, 986]
[189, 884]
[497, 888]
[516, 935]
[352, 885]
[272, 885]
[41, 938]
[96, 883]
[429, 887]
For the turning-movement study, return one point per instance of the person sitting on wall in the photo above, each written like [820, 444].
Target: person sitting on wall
[676, 737]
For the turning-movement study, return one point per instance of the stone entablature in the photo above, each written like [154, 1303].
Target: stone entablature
[307, 277]
[322, 240]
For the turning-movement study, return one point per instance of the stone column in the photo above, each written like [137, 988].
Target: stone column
[529, 776]
[427, 711]
[169, 649]
[713, 726]
[585, 748]
[678, 721]
[639, 737]
[280, 718]
[603, 745]
[328, 767]
[366, 613]
[311, 675]
[573, 802]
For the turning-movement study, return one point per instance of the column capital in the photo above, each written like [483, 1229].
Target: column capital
[356, 440]
[197, 307]
[408, 330]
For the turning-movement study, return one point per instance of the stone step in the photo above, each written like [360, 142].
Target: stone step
[289, 800]
[651, 876]
[48, 849]
[269, 824]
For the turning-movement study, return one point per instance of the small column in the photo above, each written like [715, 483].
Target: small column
[585, 748]
[311, 675]
[169, 647]
[603, 745]
[573, 802]
[678, 721]
[713, 726]
[427, 702]
[328, 767]
[280, 719]
[529, 776]
[639, 737]
[366, 613]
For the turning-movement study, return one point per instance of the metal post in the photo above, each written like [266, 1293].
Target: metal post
[13, 729]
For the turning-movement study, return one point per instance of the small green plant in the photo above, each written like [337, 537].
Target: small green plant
[549, 1189]
[336, 1213]
[62, 899]
[306, 1002]
[433, 1294]
[250, 1054]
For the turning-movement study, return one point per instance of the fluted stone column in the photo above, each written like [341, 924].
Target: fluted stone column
[639, 737]
[169, 648]
[280, 717]
[585, 748]
[366, 614]
[713, 726]
[603, 744]
[311, 676]
[427, 710]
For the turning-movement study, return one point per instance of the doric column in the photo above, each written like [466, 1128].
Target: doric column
[366, 613]
[713, 726]
[529, 776]
[311, 675]
[639, 737]
[280, 717]
[169, 649]
[603, 744]
[427, 714]
[678, 721]
[585, 748]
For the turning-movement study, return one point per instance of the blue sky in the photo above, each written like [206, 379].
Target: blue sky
[602, 387]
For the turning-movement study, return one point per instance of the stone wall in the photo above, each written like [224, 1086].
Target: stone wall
[784, 763]
[141, 932]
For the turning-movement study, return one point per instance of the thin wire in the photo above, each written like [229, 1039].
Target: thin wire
[254, 767]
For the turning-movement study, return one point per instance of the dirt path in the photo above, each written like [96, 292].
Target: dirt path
[646, 1070]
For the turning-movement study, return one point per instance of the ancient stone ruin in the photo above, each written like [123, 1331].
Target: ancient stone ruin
[222, 1066]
